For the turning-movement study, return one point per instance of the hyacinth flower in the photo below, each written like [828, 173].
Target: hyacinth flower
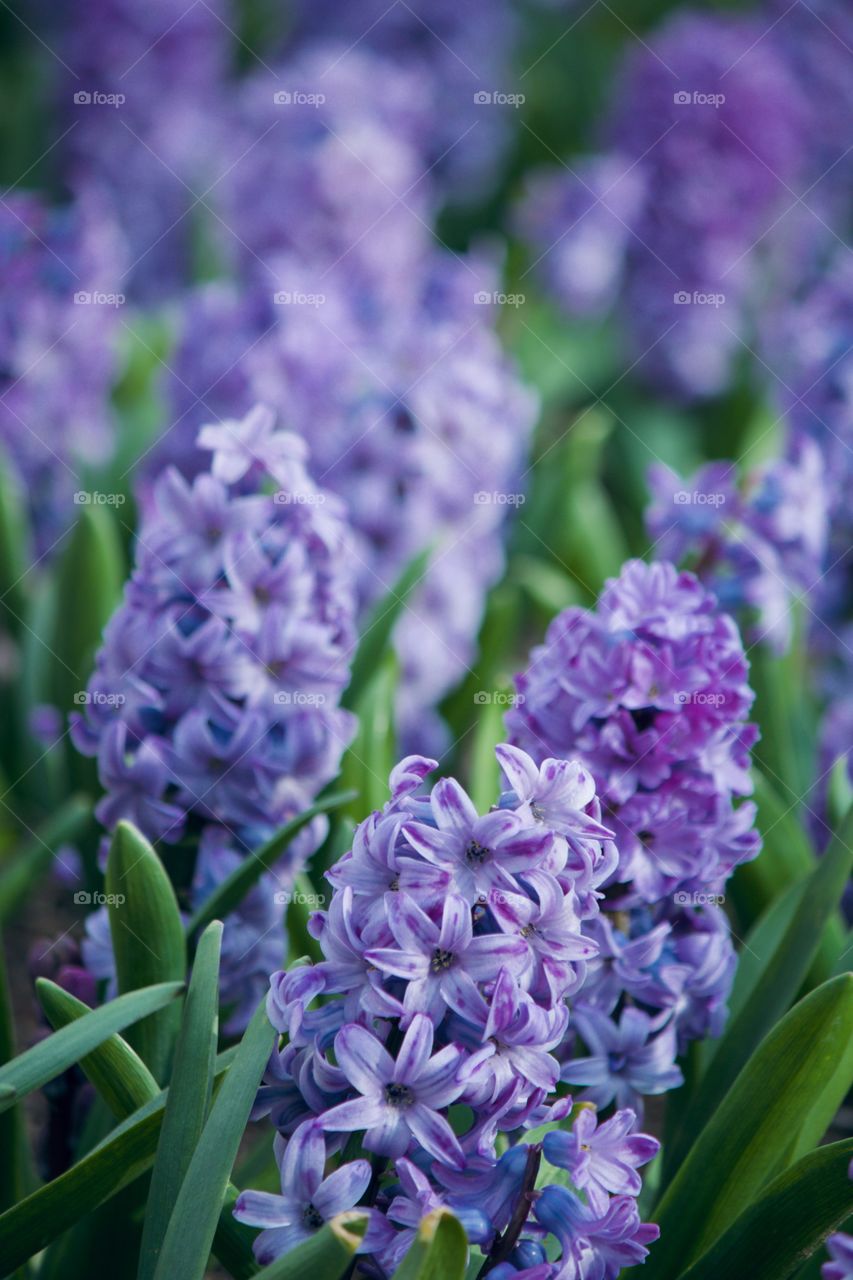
[452, 1016]
[649, 693]
[213, 709]
[759, 546]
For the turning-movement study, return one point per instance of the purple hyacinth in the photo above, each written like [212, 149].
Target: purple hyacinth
[213, 710]
[59, 327]
[412, 413]
[438, 990]
[649, 691]
[760, 546]
[689, 199]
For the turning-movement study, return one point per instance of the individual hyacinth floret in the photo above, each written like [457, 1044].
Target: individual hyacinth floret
[650, 692]
[450, 947]
[213, 710]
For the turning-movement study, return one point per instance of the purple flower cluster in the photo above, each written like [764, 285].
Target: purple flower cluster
[213, 710]
[450, 948]
[59, 327]
[693, 200]
[758, 546]
[649, 691]
[412, 414]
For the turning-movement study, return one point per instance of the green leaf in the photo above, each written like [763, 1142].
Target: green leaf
[439, 1250]
[120, 1076]
[375, 638]
[746, 1137]
[484, 774]
[776, 986]
[197, 1208]
[189, 1096]
[788, 1221]
[27, 866]
[786, 855]
[372, 755]
[326, 1255]
[33, 1068]
[231, 892]
[147, 936]
[304, 900]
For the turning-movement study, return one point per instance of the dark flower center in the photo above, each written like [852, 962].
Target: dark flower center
[616, 1061]
[441, 960]
[312, 1218]
[476, 854]
[399, 1095]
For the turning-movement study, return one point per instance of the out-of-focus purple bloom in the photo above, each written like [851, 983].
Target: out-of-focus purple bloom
[627, 1061]
[59, 327]
[213, 710]
[650, 693]
[840, 1249]
[437, 992]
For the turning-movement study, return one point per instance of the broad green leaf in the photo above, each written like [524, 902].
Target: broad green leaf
[776, 987]
[439, 1250]
[326, 1255]
[189, 1096]
[369, 759]
[548, 585]
[14, 1151]
[29, 864]
[304, 900]
[231, 892]
[33, 1068]
[192, 1227]
[745, 1138]
[120, 1076]
[786, 854]
[15, 552]
[786, 1223]
[147, 936]
[483, 770]
[375, 638]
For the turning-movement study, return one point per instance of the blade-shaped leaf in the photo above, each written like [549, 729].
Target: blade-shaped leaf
[743, 1142]
[147, 936]
[376, 636]
[776, 987]
[189, 1096]
[198, 1205]
[120, 1076]
[788, 1221]
[439, 1250]
[327, 1254]
[33, 1068]
[231, 892]
[371, 756]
